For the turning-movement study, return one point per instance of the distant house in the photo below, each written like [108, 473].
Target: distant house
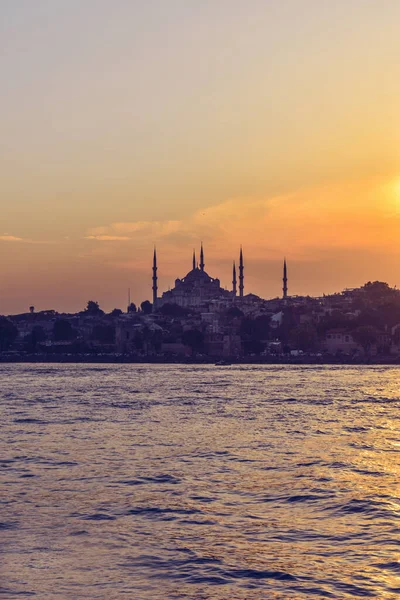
[211, 321]
[340, 341]
[395, 339]
[384, 342]
[232, 345]
[138, 337]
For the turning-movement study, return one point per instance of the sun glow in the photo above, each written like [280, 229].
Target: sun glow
[391, 193]
[395, 191]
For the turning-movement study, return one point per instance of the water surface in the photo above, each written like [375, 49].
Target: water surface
[199, 482]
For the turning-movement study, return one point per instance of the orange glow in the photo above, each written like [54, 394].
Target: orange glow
[281, 134]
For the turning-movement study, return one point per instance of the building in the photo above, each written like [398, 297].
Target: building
[340, 341]
[135, 335]
[197, 289]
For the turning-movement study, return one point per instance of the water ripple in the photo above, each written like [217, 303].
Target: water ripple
[169, 482]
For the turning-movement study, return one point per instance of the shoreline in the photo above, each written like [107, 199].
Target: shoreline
[127, 359]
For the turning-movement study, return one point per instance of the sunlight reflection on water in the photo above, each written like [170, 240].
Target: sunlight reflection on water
[201, 482]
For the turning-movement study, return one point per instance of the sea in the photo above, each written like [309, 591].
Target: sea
[199, 482]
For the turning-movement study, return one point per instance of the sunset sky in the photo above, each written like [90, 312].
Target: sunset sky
[268, 123]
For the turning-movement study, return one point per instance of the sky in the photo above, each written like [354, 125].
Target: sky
[268, 123]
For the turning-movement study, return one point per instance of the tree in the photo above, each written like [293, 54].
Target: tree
[138, 340]
[370, 317]
[247, 327]
[336, 320]
[93, 309]
[117, 312]
[194, 339]
[234, 313]
[8, 333]
[34, 338]
[256, 329]
[378, 290]
[366, 336]
[170, 309]
[253, 346]
[104, 334]
[391, 312]
[304, 337]
[63, 331]
[146, 307]
[288, 324]
[396, 336]
[132, 308]
[262, 327]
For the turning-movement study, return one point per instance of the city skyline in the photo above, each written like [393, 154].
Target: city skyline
[235, 291]
[309, 275]
[273, 125]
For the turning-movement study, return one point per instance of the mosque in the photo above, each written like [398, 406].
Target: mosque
[197, 288]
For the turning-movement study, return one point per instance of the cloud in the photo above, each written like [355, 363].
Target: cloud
[108, 238]
[13, 238]
[334, 236]
[143, 228]
[336, 217]
[10, 238]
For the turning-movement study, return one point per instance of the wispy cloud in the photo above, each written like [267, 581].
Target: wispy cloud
[350, 215]
[120, 230]
[108, 238]
[10, 238]
[15, 239]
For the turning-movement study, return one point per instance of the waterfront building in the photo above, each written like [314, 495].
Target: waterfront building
[340, 341]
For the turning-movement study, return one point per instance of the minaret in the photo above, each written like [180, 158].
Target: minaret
[154, 279]
[194, 260]
[234, 289]
[241, 275]
[202, 258]
[285, 280]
